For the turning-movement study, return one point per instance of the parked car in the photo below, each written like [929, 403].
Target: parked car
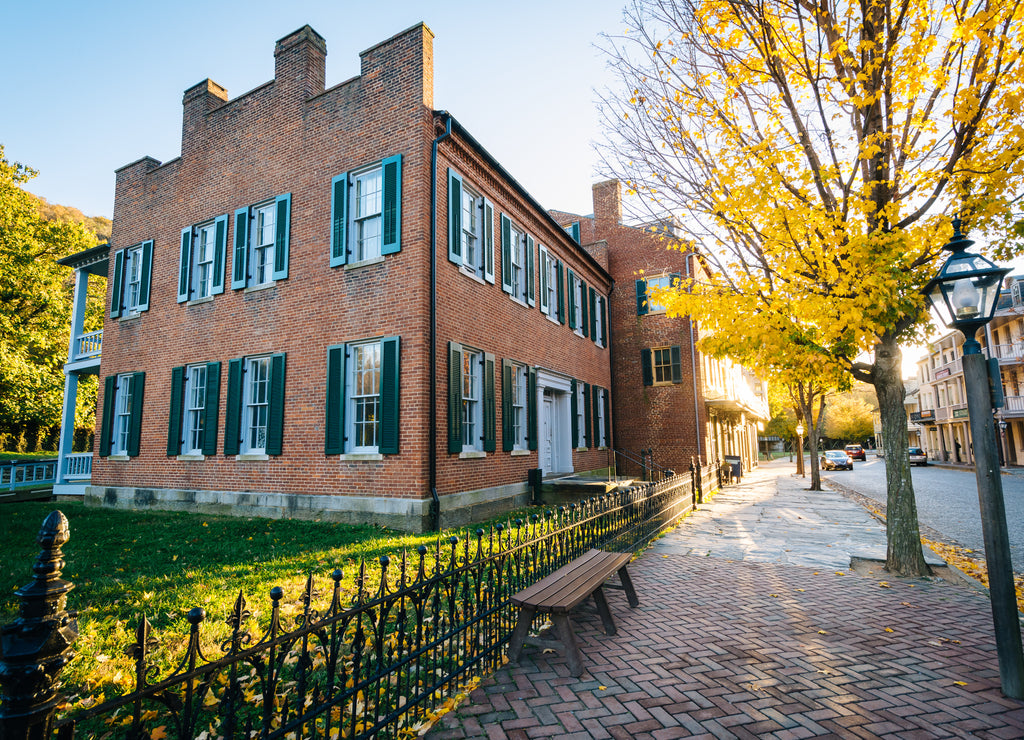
[836, 460]
[856, 452]
[918, 456]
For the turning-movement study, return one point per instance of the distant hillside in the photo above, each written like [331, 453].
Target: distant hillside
[99, 225]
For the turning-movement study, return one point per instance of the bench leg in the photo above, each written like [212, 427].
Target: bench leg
[602, 609]
[627, 586]
[522, 628]
[572, 650]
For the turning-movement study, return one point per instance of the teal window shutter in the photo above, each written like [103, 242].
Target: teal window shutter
[585, 312]
[641, 297]
[531, 280]
[334, 424]
[107, 420]
[574, 410]
[117, 296]
[587, 420]
[507, 378]
[455, 217]
[185, 265]
[239, 269]
[574, 230]
[454, 398]
[646, 366]
[275, 414]
[593, 314]
[677, 364]
[233, 415]
[391, 174]
[175, 411]
[339, 220]
[531, 408]
[135, 422]
[211, 405]
[560, 282]
[506, 254]
[220, 247]
[146, 276]
[490, 433]
[570, 281]
[488, 241]
[283, 236]
[389, 395]
[606, 398]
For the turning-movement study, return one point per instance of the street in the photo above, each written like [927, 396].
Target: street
[947, 501]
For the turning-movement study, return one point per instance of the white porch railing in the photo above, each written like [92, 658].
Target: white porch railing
[16, 474]
[88, 345]
[78, 466]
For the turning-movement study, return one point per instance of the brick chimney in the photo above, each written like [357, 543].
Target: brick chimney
[197, 102]
[401, 68]
[300, 64]
[607, 204]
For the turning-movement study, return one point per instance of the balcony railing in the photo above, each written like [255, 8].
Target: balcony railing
[1007, 353]
[1014, 405]
[17, 474]
[88, 345]
[947, 370]
[78, 466]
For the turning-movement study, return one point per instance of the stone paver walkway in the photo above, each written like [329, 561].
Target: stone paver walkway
[752, 625]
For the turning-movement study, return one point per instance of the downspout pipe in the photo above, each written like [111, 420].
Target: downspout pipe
[693, 367]
[435, 504]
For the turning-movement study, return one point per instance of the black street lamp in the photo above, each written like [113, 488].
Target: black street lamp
[964, 294]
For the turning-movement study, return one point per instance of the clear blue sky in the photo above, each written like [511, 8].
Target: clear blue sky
[91, 86]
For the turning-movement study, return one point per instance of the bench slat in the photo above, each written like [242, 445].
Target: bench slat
[570, 585]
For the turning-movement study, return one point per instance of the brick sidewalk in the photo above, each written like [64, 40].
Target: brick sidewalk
[724, 648]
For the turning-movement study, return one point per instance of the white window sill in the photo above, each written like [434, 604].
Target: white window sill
[472, 455]
[578, 332]
[520, 453]
[520, 301]
[581, 449]
[361, 456]
[251, 456]
[191, 457]
[119, 458]
[261, 286]
[129, 315]
[364, 263]
[197, 301]
[471, 274]
[553, 319]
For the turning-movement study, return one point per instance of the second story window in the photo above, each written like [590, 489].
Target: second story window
[263, 232]
[645, 288]
[201, 260]
[261, 243]
[366, 212]
[132, 270]
[205, 244]
[470, 228]
[366, 202]
[517, 262]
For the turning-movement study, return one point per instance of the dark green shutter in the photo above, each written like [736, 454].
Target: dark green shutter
[275, 415]
[334, 424]
[531, 408]
[455, 217]
[454, 398]
[647, 366]
[641, 297]
[116, 296]
[585, 313]
[339, 220]
[595, 397]
[220, 246]
[135, 423]
[587, 420]
[507, 378]
[174, 416]
[238, 260]
[146, 276]
[506, 254]
[233, 408]
[389, 395]
[604, 321]
[282, 238]
[531, 280]
[391, 174]
[211, 407]
[574, 231]
[574, 410]
[107, 420]
[570, 281]
[607, 418]
[593, 315]
[677, 364]
[560, 282]
[490, 433]
[488, 241]
[185, 266]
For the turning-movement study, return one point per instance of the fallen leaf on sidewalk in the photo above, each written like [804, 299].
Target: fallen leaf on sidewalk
[960, 683]
[774, 596]
[602, 688]
[884, 584]
[889, 629]
[822, 632]
[800, 589]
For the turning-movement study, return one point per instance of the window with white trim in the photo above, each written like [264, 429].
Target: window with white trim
[472, 221]
[472, 396]
[517, 252]
[256, 400]
[366, 209]
[202, 253]
[598, 320]
[599, 407]
[576, 304]
[517, 422]
[363, 384]
[195, 409]
[581, 416]
[548, 283]
[122, 415]
[262, 235]
[133, 279]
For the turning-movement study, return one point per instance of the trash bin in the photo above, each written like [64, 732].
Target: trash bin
[735, 465]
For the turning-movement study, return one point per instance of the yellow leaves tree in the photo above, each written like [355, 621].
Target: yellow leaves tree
[813, 154]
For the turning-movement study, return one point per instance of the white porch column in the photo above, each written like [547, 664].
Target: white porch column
[67, 424]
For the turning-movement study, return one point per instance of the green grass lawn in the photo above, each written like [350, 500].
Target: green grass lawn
[126, 564]
[26, 456]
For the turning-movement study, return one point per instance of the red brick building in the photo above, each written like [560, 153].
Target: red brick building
[336, 304]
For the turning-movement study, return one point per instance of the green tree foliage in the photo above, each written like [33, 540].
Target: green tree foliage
[36, 294]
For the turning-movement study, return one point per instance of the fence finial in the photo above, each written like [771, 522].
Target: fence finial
[35, 646]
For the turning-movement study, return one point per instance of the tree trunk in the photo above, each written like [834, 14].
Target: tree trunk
[903, 553]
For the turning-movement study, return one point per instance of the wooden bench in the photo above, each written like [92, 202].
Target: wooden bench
[565, 589]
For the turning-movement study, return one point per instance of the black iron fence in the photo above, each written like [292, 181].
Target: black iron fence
[376, 662]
